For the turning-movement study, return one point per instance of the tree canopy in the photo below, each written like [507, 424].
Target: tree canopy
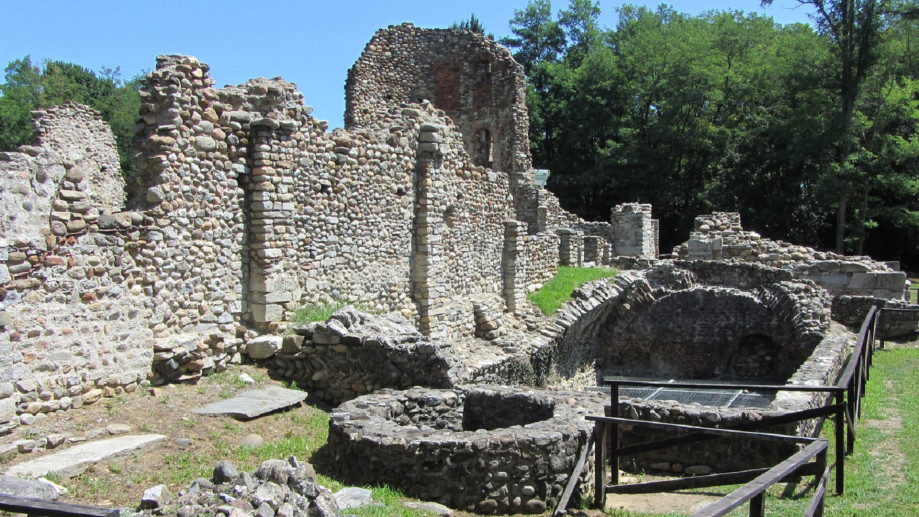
[731, 111]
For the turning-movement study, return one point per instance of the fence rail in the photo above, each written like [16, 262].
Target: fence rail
[31, 506]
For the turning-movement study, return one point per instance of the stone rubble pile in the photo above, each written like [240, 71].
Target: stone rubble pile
[278, 488]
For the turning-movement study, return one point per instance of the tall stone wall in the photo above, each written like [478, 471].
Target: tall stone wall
[188, 183]
[73, 324]
[245, 208]
[475, 81]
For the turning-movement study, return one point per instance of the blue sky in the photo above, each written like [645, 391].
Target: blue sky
[311, 43]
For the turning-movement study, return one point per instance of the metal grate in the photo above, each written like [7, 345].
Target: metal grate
[711, 398]
[753, 400]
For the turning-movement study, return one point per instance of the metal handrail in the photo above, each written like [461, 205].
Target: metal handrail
[848, 389]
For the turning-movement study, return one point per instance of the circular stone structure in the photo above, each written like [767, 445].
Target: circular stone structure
[488, 449]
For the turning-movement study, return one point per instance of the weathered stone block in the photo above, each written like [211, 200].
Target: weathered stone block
[266, 313]
[264, 347]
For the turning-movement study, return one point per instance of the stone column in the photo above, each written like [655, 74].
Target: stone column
[569, 247]
[271, 208]
[592, 249]
[634, 233]
[427, 276]
[513, 265]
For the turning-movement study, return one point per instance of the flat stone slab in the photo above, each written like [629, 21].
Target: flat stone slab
[251, 404]
[30, 488]
[76, 459]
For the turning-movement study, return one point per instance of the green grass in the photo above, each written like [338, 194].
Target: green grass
[882, 474]
[317, 312]
[557, 291]
[914, 290]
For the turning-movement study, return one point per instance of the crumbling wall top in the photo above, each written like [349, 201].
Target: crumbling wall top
[472, 78]
[70, 175]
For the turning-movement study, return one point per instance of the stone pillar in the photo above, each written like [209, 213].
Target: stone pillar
[271, 210]
[569, 247]
[427, 263]
[592, 249]
[513, 265]
[633, 231]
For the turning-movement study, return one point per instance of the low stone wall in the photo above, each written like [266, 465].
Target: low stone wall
[719, 236]
[542, 259]
[851, 311]
[352, 354]
[821, 368]
[486, 449]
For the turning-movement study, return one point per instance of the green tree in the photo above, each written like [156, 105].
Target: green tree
[19, 94]
[470, 24]
[537, 37]
[581, 25]
[727, 111]
[854, 27]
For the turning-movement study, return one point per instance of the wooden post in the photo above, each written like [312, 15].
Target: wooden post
[758, 505]
[880, 323]
[600, 465]
[852, 397]
[614, 436]
[821, 463]
[840, 444]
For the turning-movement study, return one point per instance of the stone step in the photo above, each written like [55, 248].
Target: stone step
[76, 459]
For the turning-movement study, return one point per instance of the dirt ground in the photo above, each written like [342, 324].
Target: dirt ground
[196, 443]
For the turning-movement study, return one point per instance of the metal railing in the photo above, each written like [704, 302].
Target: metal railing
[844, 408]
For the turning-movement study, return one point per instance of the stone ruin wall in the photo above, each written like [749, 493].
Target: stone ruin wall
[71, 174]
[72, 320]
[474, 80]
[814, 352]
[720, 236]
[243, 208]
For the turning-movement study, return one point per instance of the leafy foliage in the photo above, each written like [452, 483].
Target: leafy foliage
[315, 312]
[730, 111]
[470, 24]
[27, 87]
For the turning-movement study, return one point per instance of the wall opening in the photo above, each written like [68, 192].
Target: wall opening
[482, 150]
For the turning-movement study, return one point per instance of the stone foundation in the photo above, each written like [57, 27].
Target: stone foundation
[486, 449]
